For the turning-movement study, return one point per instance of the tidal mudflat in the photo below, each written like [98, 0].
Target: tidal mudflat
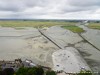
[29, 43]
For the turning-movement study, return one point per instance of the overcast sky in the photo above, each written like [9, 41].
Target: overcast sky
[50, 9]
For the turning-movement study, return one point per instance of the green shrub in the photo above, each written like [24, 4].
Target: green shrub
[22, 71]
[8, 71]
[39, 71]
[30, 71]
[51, 73]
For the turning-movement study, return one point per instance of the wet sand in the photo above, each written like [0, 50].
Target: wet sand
[27, 43]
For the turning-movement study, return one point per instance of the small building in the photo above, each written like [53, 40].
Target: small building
[16, 64]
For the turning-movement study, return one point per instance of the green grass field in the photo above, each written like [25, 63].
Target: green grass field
[68, 25]
[94, 25]
[74, 28]
[33, 23]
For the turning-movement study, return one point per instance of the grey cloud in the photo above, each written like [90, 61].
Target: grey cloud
[78, 9]
[18, 5]
[74, 5]
[80, 5]
[21, 5]
[36, 8]
[84, 2]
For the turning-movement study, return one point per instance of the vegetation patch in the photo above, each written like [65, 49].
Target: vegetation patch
[94, 25]
[28, 71]
[73, 28]
[86, 72]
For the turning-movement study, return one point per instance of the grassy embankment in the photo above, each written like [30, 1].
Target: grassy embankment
[67, 25]
[94, 25]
